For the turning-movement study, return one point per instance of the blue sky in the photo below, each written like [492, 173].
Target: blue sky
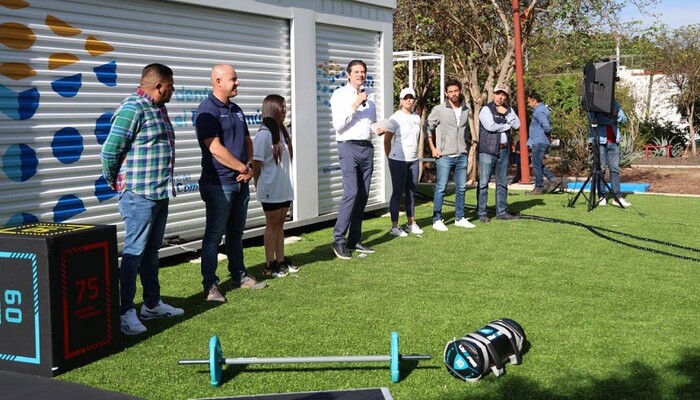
[674, 13]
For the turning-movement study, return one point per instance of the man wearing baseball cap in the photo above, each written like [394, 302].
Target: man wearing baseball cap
[496, 120]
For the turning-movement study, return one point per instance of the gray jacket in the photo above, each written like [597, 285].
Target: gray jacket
[450, 139]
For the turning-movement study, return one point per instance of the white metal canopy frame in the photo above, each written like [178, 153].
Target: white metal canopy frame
[411, 56]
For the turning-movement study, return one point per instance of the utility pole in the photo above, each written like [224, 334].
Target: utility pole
[520, 83]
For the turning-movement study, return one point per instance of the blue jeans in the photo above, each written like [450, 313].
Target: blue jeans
[444, 166]
[538, 152]
[226, 212]
[487, 163]
[404, 181]
[356, 165]
[144, 225]
[610, 158]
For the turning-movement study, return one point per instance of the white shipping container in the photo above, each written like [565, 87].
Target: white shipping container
[66, 65]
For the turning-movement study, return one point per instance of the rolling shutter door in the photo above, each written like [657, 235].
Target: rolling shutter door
[66, 66]
[335, 48]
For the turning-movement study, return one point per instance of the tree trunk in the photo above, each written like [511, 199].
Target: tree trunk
[691, 112]
[649, 92]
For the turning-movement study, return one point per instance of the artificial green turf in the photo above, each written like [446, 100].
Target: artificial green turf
[603, 319]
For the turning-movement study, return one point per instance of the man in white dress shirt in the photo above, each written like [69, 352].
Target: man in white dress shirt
[353, 111]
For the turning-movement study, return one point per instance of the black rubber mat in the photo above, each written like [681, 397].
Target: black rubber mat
[350, 394]
[15, 386]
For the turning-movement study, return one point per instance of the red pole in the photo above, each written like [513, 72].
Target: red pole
[520, 83]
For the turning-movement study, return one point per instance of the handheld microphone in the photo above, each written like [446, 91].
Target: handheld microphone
[363, 89]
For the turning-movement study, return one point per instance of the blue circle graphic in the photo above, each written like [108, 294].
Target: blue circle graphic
[68, 86]
[102, 190]
[102, 127]
[21, 219]
[67, 207]
[67, 145]
[107, 73]
[19, 162]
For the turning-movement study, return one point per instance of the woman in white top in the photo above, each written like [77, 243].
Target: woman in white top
[272, 156]
[401, 147]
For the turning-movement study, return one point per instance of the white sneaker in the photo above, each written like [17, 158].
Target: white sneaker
[439, 225]
[602, 202]
[624, 203]
[464, 223]
[414, 229]
[160, 311]
[396, 231]
[130, 323]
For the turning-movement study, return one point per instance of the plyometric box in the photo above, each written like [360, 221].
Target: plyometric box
[59, 296]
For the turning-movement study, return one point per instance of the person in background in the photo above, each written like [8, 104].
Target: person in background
[272, 157]
[449, 140]
[353, 111]
[608, 134]
[138, 161]
[538, 141]
[496, 120]
[401, 148]
[226, 147]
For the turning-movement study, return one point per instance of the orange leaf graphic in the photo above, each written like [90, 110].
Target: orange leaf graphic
[58, 60]
[16, 71]
[60, 27]
[14, 4]
[96, 47]
[16, 36]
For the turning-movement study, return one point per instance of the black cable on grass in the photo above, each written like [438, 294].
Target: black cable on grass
[598, 231]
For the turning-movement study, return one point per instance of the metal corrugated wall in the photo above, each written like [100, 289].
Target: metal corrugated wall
[66, 65]
[335, 48]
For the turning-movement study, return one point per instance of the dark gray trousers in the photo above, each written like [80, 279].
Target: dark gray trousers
[356, 165]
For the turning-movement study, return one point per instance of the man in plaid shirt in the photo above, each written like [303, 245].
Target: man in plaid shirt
[138, 158]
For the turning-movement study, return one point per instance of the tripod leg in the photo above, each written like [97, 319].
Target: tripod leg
[580, 192]
[593, 199]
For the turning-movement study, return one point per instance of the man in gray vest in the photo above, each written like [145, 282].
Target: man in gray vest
[496, 120]
[448, 139]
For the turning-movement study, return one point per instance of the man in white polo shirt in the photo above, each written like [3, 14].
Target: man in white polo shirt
[353, 110]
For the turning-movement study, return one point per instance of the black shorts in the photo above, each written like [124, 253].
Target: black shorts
[276, 206]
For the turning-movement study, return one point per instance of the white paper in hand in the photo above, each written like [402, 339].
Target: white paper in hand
[386, 125]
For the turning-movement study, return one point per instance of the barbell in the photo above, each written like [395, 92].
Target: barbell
[216, 360]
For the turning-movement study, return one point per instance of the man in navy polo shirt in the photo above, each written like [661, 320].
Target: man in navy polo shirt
[226, 151]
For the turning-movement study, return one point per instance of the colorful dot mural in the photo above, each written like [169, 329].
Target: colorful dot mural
[330, 72]
[21, 97]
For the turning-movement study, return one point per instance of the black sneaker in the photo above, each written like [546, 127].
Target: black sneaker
[508, 217]
[289, 266]
[361, 248]
[341, 251]
[274, 270]
[484, 218]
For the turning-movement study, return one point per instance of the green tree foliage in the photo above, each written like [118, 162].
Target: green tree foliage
[477, 39]
[677, 55]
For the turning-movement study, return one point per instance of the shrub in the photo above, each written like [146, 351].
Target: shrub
[627, 152]
[676, 148]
